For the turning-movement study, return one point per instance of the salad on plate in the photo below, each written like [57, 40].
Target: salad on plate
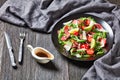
[83, 37]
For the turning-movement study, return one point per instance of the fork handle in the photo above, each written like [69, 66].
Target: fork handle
[20, 51]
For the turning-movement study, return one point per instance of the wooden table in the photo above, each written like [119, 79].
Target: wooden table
[60, 68]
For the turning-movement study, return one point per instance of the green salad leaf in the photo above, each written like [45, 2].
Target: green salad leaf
[77, 39]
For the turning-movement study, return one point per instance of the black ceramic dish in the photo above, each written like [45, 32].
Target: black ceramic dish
[60, 48]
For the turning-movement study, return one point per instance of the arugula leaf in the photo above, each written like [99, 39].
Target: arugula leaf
[100, 52]
[74, 25]
[83, 18]
[104, 34]
[97, 46]
[92, 19]
[86, 55]
[77, 39]
[61, 33]
[80, 50]
[73, 51]
[97, 34]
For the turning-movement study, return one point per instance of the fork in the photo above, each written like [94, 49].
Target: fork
[22, 37]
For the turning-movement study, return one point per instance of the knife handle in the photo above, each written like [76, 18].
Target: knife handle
[12, 58]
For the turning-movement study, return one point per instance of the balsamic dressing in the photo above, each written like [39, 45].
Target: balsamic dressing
[41, 54]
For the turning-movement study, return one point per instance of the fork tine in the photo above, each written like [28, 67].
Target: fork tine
[22, 35]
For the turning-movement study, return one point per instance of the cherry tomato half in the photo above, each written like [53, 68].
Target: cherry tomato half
[76, 33]
[85, 46]
[87, 22]
[90, 51]
[82, 27]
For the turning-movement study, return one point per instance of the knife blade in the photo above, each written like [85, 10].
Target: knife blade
[9, 46]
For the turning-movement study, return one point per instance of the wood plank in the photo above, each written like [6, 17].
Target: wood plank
[78, 69]
[7, 69]
[2, 29]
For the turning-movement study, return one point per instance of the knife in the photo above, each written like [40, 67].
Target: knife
[10, 49]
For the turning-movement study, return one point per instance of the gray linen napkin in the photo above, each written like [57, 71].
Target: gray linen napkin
[41, 15]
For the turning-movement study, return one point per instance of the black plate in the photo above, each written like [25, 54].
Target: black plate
[59, 25]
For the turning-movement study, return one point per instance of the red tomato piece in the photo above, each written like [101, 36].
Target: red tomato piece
[63, 38]
[76, 33]
[85, 46]
[66, 28]
[82, 27]
[89, 38]
[87, 22]
[98, 26]
[90, 51]
[82, 46]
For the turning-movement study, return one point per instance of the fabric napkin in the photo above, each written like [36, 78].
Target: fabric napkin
[41, 15]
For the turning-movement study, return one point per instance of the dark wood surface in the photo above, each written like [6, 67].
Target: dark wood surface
[60, 68]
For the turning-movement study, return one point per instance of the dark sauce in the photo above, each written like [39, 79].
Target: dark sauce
[41, 54]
